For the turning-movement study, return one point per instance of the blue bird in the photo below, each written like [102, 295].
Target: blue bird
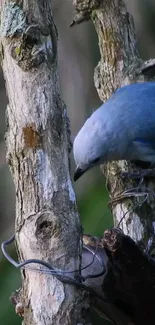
[121, 129]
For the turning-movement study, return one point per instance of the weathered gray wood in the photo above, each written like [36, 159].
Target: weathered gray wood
[38, 145]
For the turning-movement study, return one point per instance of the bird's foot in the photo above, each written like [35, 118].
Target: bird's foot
[139, 174]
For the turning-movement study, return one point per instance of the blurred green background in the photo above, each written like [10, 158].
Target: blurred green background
[78, 55]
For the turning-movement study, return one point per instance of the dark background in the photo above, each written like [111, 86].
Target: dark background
[78, 55]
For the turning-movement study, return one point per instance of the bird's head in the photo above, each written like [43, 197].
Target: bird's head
[88, 147]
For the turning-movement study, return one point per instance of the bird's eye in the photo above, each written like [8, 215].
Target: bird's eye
[95, 160]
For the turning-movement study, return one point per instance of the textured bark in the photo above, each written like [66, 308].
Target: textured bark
[47, 223]
[120, 64]
[38, 143]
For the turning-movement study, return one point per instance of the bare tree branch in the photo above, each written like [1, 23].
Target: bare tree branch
[38, 144]
[120, 64]
[125, 285]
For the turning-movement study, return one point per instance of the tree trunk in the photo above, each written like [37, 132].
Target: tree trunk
[37, 151]
[38, 144]
[120, 64]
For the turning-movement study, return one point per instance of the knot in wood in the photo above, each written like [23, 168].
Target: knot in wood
[86, 5]
[19, 309]
[112, 238]
[84, 10]
[47, 225]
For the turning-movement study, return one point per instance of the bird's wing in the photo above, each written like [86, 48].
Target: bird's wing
[144, 149]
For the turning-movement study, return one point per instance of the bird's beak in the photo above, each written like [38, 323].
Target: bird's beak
[78, 173]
